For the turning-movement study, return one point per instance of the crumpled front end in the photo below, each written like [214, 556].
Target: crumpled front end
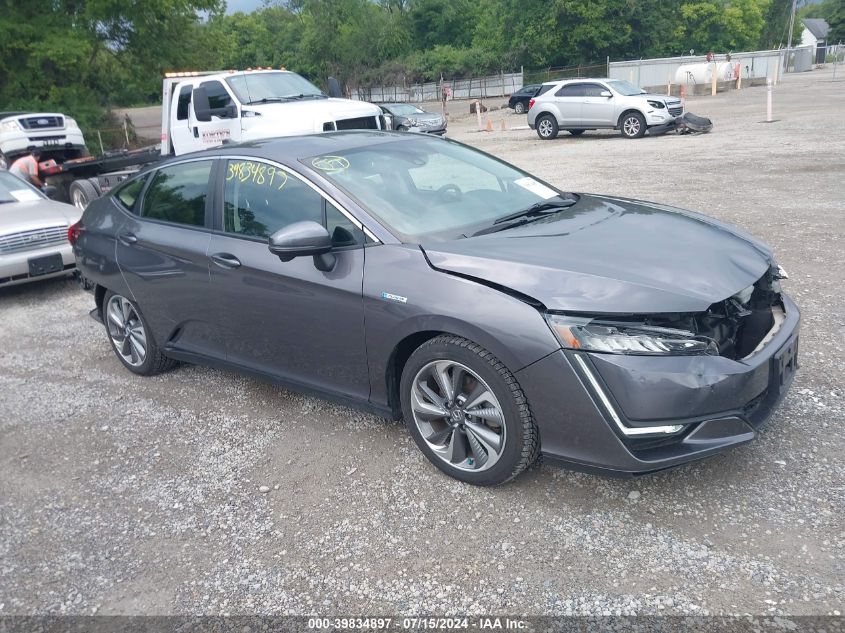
[637, 413]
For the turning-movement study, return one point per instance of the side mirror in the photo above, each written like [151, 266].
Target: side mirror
[606, 93]
[203, 111]
[50, 191]
[334, 88]
[301, 239]
[199, 99]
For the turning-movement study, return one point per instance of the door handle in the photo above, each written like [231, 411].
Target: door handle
[226, 260]
[196, 132]
[127, 238]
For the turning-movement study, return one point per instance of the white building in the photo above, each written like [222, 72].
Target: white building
[815, 35]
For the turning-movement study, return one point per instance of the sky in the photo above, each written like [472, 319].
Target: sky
[247, 6]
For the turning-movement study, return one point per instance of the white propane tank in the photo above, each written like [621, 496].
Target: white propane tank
[702, 73]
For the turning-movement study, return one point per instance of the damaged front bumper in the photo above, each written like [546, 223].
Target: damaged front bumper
[638, 414]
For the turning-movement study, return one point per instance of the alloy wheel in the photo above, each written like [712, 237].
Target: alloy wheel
[631, 126]
[458, 415]
[126, 330]
[544, 127]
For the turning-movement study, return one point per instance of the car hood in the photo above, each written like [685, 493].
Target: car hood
[612, 255]
[310, 109]
[661, 98]
[34, 214]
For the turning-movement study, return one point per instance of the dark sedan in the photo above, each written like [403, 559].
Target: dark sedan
[405, 117]
[419, 278]
[518, 101]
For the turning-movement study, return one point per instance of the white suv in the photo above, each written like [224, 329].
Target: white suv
[55, 134]
[576, 105]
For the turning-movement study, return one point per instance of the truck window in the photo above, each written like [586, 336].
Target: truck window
[183, 103]
[218, 96]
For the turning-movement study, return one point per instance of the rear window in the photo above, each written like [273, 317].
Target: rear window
[128, 192]
[177, 194]
[544, 89]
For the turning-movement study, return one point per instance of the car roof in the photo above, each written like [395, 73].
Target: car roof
[577, 79]
[290, 149]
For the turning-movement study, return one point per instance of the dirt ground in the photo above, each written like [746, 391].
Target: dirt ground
[126, 495]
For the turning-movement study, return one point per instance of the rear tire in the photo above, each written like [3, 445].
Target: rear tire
[547, 127]
[130, 337]
[519, 108]
[81, 193]
[467, 412]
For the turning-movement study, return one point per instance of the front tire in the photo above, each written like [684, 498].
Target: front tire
[547, 127]
[519, 108]
[130, 337]
[632, 125]
[467, 412]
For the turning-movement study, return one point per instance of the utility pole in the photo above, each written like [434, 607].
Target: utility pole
[789, 35]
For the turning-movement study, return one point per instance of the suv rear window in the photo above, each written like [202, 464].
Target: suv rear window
[544, 89]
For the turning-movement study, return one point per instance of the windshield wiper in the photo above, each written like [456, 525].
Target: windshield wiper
[268, 100]
[304, 96]
[525, 216]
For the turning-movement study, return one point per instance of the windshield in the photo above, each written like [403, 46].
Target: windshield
[431, 189]
[404, 109]
[13, 189]
[260, 87]
[625, 88]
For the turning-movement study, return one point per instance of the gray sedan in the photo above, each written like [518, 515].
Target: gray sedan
[33, 233]
[421, 279]
[405, 117]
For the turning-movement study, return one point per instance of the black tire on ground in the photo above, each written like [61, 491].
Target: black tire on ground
[81, 193]
[547, 127]
[154, 361]
[576, 132]
[519, 107]
[632, 124]
[522, 440]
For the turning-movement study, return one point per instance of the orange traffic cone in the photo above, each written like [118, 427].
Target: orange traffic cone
[489, 127]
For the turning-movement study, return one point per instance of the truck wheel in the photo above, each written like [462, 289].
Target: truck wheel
[81, 193]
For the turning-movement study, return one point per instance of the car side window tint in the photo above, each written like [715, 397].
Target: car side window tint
[571, 90]
[341, 228]
[259, 199]
[177, 194]
[128, 193]
[593, 90]
[544, 89]
[183, 103]
[218, 96]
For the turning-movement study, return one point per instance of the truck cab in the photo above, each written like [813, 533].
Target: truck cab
[203, 110]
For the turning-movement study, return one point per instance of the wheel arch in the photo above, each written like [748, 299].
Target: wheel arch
[427, 328]
[626, 112]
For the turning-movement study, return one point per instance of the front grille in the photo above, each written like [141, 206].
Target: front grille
[41, 122]
[31, 240]
[360, 123]
[47, 138]
[676, 111]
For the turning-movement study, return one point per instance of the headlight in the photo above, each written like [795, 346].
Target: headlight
[412, 122]
[594, 335]
[69, 122]
[657, 105]
[10, 126]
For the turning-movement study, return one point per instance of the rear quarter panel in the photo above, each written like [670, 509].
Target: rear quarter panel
[95, 248]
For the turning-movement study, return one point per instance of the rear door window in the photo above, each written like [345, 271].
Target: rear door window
[128, 193]
[178, 194]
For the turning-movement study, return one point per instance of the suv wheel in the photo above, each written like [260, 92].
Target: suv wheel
[467, 412]
[632, 125]
[547, 127]
[519, 107]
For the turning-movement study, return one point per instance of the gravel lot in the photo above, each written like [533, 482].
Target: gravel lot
[125, 495]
